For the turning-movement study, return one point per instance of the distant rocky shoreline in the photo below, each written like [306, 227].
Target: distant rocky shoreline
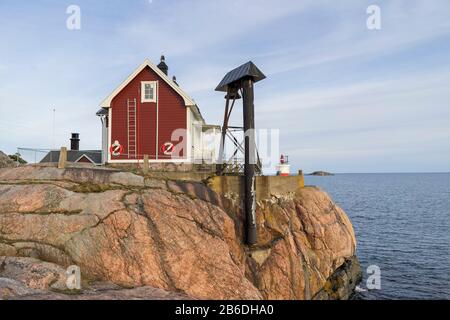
[321, 173]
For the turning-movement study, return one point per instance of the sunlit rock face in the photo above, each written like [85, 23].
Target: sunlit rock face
[177, 237]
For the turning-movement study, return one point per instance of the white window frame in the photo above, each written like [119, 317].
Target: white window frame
[154, 85]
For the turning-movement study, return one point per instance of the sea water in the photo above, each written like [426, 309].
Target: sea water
[402, 225]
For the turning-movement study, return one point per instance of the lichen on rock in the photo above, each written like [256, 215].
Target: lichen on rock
[174, 236]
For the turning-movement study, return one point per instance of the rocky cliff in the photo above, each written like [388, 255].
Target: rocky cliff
[5, 161]
[149, 238]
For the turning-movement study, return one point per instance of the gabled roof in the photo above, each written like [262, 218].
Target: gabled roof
[102, 112]
[95, 156]
[147, 63]
[246, 70]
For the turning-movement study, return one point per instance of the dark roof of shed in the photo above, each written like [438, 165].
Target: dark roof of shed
[102, 112]
[248, 69]
[73, 155]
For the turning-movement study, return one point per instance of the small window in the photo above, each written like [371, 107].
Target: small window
[148, 91]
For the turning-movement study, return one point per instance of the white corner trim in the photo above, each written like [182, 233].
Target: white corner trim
[147, 63]
[188, 133]
[109, 133]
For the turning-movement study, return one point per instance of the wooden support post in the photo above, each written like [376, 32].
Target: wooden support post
[220, 165]
[62, 158]
[301, 179]
[145, 167]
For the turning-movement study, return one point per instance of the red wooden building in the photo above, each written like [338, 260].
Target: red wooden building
[149, 114]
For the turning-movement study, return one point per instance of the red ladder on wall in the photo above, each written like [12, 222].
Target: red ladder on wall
[132, 123]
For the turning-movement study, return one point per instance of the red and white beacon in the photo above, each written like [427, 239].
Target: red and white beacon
[284, 169]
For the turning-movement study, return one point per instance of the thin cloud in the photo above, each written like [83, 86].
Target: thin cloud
[340, 94]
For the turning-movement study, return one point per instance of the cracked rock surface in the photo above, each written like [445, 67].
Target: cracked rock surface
[163, 239]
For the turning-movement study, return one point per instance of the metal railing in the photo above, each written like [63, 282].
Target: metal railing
[34, 156]
[41, 155]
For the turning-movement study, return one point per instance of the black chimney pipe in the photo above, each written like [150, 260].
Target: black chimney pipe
[75, 142]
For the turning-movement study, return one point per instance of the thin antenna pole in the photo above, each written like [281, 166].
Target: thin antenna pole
[53, 134]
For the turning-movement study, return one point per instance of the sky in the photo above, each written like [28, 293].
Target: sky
[343, 97]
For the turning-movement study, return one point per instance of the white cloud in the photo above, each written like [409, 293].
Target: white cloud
[332, 105]
[188, 27]
[405, 24]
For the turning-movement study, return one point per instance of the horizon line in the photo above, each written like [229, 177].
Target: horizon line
[390, 172]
